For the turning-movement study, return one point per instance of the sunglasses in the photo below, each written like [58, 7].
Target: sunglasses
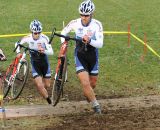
[84, 15]
[36, 33]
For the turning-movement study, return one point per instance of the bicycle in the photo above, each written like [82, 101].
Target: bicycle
[61, 68]
[16, 75]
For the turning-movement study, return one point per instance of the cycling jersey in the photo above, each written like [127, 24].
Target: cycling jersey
[86, 56]
[40, 63]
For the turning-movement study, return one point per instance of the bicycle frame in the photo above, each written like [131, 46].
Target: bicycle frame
[14, 73]
[61, 69]
[16, 63]
[60, 74]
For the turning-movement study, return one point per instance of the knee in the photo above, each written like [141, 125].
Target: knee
[47, 85]
[85, 84]
[39, 86]
[93, 86]
[93, 83]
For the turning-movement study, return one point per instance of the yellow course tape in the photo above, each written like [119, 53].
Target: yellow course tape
[105, 32]
[17, 35]
[12, 35]
[114, 32]
[154, 52]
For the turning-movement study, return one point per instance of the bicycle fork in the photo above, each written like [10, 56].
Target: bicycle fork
[60, 68]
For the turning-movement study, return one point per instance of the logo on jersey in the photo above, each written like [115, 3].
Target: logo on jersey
[89, 33]
[80, 30]
[32, 43]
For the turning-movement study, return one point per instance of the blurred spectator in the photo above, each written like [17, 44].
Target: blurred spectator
[2, 56]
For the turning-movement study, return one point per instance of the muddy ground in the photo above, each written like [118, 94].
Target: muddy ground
[132, 113]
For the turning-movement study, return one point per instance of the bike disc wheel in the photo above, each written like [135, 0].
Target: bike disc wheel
[20, 80]
[58, 84]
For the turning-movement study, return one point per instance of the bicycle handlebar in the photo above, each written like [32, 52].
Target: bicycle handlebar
[27, 48]
[52, 35]
[67, 38]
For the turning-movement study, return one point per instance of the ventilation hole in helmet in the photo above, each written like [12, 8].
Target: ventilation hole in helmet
[87, 10]
[89, 4]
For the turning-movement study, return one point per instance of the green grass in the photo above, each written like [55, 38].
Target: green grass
[121, 71]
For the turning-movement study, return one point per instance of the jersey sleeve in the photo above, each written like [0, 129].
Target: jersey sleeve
[67, 29]
[21, 41]
[48, 47]
[98, 41]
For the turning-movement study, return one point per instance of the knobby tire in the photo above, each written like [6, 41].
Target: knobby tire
[20, 80]
[57, 90]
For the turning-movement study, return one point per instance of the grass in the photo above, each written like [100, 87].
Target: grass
[121, 70]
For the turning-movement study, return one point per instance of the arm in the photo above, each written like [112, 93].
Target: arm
[67, 29]
[21, 41]
[98, 42]
[48, 49]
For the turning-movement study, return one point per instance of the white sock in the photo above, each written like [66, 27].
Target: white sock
[95, 103]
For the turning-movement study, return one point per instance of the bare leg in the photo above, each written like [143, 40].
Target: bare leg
[93, 81]
[85, 82]
[47, 84]
[41, 87]
[88, 90]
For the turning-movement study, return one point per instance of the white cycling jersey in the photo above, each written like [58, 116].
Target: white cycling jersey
[33, 44]
[86, 55]
[39, 61]
[94, 30]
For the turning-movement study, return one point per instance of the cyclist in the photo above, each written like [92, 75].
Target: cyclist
[90, 31]
[39, 61]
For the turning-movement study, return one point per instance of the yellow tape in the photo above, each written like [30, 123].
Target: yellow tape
[24, 34]
[154, 52]
[51, 32]
[114, 32]
[105, 32]
[17, 35]
[1, 97]
[12, 35]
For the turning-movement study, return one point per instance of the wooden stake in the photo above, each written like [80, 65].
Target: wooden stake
[144, 48]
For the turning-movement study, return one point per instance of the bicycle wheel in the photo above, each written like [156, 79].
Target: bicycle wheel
[20, 80]
[6, 86]
[58, 84]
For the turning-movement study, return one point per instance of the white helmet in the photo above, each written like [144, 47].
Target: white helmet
[86, 7]
[36, 26]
